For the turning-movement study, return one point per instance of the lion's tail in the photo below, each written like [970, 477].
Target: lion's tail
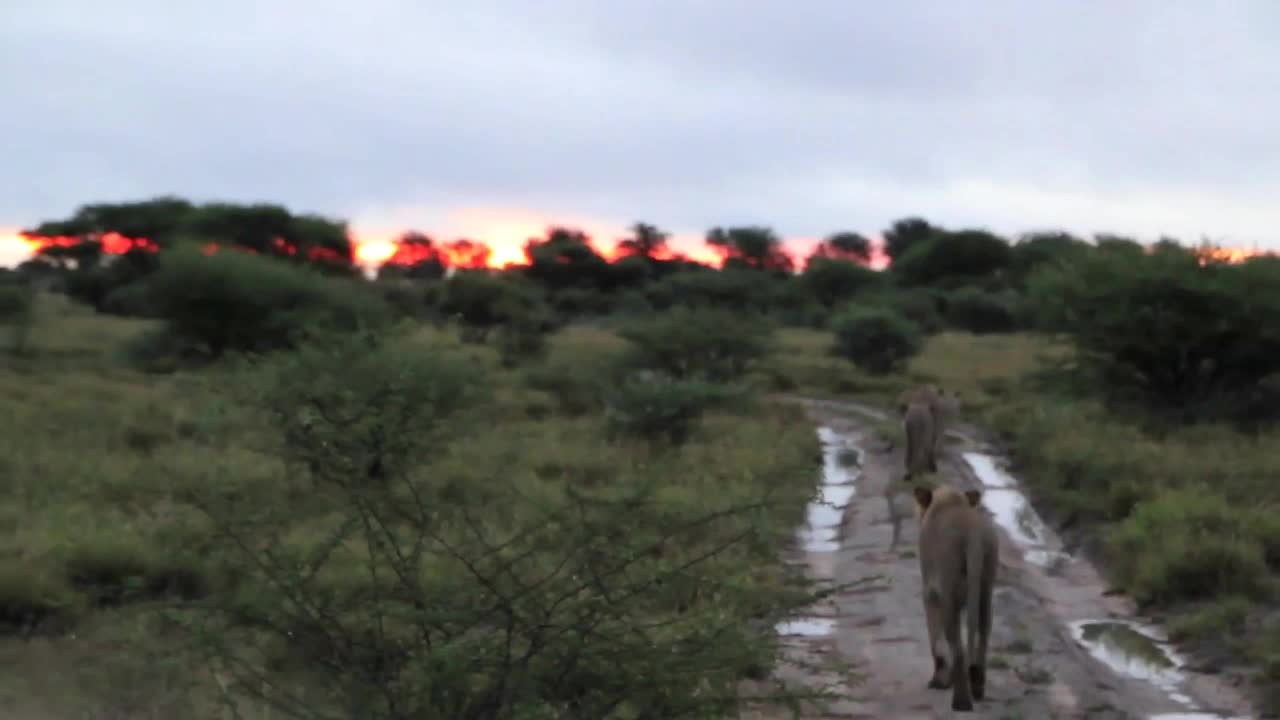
[975, 561]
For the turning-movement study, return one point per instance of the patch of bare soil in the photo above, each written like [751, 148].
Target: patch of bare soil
[1060, 647]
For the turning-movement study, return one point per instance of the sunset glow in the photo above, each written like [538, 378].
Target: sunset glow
[502, 246]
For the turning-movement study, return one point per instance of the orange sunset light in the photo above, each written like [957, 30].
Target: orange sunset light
[497, 240]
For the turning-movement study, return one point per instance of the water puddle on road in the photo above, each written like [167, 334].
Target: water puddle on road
[1194, 716]
[808, 627]
[991, 475]
[1011, 511]
[841, 468]
[821, 532]
[1139, 651]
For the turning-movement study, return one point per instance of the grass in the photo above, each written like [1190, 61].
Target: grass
[98, 538]
[100, 545]
[802, 362]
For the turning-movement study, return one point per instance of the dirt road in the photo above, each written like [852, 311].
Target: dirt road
[1061, 648]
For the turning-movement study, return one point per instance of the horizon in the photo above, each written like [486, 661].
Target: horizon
[372, 249]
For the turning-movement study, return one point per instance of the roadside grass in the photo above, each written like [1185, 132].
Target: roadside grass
[1187, 523]
[802, 362]
[99, 547]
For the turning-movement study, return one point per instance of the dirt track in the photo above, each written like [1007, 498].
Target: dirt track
[1040, 667]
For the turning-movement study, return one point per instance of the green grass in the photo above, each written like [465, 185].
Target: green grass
[802, 362]
[100, 458]
[100, 539]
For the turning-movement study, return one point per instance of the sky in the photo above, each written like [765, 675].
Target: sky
[493, 118]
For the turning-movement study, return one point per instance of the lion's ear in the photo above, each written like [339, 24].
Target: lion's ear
[924, 496]
[973, 496]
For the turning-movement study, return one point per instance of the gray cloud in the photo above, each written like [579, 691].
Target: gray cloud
[1126, 115]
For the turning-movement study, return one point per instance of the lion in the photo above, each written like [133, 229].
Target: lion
[943, 406]
[921, 429]
[958, 559]
[920, 393]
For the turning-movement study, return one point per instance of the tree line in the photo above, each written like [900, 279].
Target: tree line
[1103, 294]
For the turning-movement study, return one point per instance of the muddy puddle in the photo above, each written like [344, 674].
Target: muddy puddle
[820, 534]
[1140, 651]
[807, 627]
[1013, 512]
[840, 470]
[1134, 650]
[1195, 716]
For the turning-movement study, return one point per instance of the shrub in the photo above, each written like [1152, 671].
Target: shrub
[704, 343]
[33, 598]
[17, 310]
[953, 256]
[833, 281]
[875, 339]
[113, 571]
[1163, 330]
[523, 337]
[1040, 248]
[481, 301]
[1186, 544]
[360, 408]
[132, 300]
[408, 298]
[922, 306]
[730, 289]
[577, 388]
[976, 311]
[657, 407]
[234, 301]
[157, 351]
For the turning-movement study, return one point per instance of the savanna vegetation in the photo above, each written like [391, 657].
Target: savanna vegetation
[245, 477]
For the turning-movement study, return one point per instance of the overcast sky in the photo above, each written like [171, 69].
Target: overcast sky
[1134, 116]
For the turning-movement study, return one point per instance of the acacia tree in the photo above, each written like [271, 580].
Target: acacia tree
[646, 241]
[844, 246]
[416, 257]
[467, 254]
[755, 247]
[564, 259]
[907, 233]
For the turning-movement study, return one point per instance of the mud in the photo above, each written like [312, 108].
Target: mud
[1061, 647]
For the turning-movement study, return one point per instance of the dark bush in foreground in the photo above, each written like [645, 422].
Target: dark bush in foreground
[703, 343]
[236, 302]
[875, 339]
[977, 311]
